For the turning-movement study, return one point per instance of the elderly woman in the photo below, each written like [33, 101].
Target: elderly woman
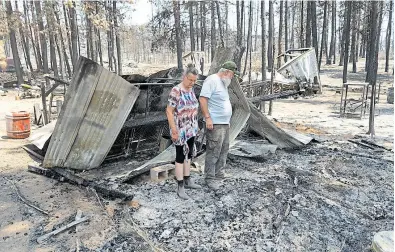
[182, 114]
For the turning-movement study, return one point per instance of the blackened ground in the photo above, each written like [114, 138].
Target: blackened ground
[316, 199]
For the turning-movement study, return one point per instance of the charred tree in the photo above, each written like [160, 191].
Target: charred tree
[323, 35]
[51, 34]
[373, 55]
[63, 46]
[176, 10]
[286, 29]
[270, 55]
[353, 38]
[43, 40]
[332, 49]
[117, 39]
[308, 24]
[74, 38]
[203, 30]
[280, 34]
[28, 26]
[191, 28]
[25, 42]
[263, 37]
[346, 38]
[388, 37]
[220, 28]
[14, 47]
[213, 31]
[314, 26]
[249, 40]
[301, 25]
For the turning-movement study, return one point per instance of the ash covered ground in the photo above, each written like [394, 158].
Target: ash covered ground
[319, 198]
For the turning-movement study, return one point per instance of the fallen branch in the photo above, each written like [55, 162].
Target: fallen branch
[33, 153]
[361, 144]
[24, 200]
[374, 144]
[57, 231]
[367, 156]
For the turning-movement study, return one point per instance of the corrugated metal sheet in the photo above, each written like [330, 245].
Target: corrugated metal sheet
[95, 109]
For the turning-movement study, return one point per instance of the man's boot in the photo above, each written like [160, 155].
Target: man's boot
[190, 184]
[181, 191]
[212, 184]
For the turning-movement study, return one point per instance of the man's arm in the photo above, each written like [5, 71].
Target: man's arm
[204, 107]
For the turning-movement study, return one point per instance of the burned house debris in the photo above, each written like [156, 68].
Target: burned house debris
[106, 117]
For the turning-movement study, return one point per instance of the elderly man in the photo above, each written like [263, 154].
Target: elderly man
[217, 111]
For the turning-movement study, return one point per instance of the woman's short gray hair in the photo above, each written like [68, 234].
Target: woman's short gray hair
[191, 70]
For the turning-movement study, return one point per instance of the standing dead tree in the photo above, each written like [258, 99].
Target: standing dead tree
[11, 27]
[373, 59]
[388, 36]
[332, 49]
[323, 36]
[270, 55]
[176, 10]
[280, 34]
[346, 37]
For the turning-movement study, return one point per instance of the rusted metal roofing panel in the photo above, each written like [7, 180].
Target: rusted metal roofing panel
[96, 107]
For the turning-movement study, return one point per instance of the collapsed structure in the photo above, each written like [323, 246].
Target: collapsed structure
[105, 117]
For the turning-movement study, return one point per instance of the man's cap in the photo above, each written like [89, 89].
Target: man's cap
[230, 65]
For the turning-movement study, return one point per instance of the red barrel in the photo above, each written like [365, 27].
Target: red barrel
[18, 124]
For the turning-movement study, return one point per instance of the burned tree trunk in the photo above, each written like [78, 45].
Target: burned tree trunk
[323, 35]
[372, 70]
[270, 42]
[346, 38]
[263, 40]
[388, 37]
[74, 38]
[35, 37]
[68, 33]
[117, 39]
[203, 30]
[314, 26]
[14, 48]
[66, 58]
[28, 27]
[51, 34]
[293, 25]
[176, 9]
[280, 34]
[308, 24]
[301, 24]
[286, 29]
[353, 40]
[25, 42]
[98, 45]
[191, 28]
[248, 37]
[213, 31]
[43, 39]
[332, 50]
[220, 28]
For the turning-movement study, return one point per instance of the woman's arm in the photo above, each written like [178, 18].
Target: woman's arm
[172, 124]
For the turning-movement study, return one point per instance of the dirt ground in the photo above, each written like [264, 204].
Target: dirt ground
[321, 198]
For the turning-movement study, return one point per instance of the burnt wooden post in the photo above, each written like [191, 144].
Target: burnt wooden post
[44, 101]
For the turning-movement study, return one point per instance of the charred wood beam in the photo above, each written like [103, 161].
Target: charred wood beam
[145, 121]
[272, 96]
[58, 80]
[62, 174]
